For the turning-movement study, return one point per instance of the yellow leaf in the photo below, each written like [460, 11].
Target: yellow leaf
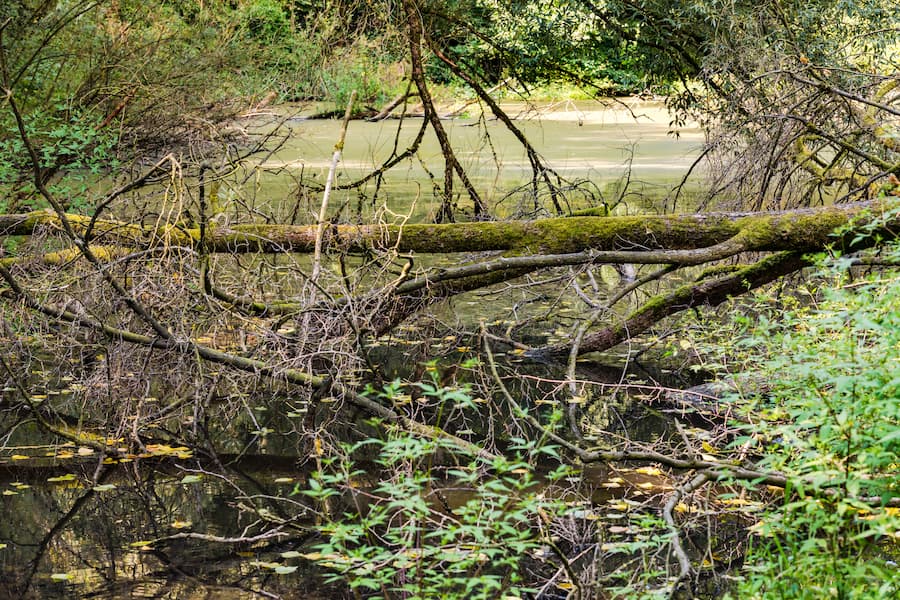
[652, 471]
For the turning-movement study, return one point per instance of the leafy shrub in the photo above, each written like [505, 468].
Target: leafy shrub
[405, 535]
[265, 22]
[831, 423]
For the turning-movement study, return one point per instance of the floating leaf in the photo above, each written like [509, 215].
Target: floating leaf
[285, 569]
[312, 556]
[104, 487]
[284, 480]
[10, 493]
[2, 546]
[141, 545]
[652, 471]
[60, 577]
[291, 554]
[62, 478]
[617, 529]
[19, 457]
[181, 524]
[192, 479]
[85, 451]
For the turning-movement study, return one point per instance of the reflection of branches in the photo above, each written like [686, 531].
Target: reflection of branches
[61, 524]
[681, 491]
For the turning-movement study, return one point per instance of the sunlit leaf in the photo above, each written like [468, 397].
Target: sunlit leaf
[191, 479]
[104, 487]
[60, 577]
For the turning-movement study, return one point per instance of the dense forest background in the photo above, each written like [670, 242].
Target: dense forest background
[296, 380]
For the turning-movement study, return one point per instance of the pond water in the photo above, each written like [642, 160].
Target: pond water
[75, 526]
[582, 141]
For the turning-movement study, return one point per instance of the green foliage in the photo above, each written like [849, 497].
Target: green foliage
[831, 424]
[425, 531]
[265, 22]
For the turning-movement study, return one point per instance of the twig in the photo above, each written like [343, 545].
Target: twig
[323, 209]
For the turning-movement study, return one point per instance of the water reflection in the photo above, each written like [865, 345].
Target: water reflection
[168, 527]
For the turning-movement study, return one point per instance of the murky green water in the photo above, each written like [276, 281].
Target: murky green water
[581, 142]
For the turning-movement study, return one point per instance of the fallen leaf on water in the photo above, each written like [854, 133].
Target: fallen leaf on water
[653, 471]
[284, 569]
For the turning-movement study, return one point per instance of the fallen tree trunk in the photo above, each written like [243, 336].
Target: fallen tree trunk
[524, 247]
[633, 237]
